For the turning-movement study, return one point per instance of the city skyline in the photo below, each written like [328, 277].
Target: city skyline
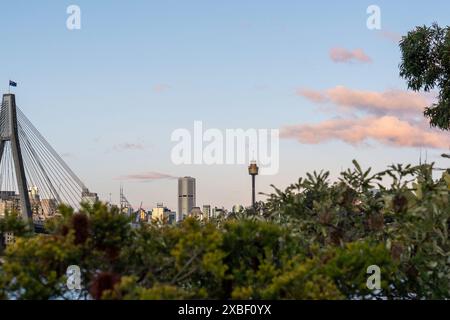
[108, 96]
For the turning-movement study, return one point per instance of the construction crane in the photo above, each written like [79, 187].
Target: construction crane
[125, 205]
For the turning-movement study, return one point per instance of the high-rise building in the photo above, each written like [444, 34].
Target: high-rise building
[207, 211]
[186, 196]
[142, 215]
[196, 212]
[219, 212]
[163, 214]
[89, 197]
[9, 202]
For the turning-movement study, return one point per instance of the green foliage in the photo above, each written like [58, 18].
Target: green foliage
[11, 222]
[334, 273]
[314, 240]
[410, 218]
[34, 268]
[128, 290]
[426, 65]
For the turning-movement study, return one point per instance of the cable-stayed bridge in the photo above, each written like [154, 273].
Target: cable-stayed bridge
[34, 179]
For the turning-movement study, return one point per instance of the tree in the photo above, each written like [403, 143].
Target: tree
[426, 65]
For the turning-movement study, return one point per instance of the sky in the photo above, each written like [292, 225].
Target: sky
[109, 96]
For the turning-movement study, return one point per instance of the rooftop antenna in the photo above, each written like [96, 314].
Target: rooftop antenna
[420, 157]
[120, 196]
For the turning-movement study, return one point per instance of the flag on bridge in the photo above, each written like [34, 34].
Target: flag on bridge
[12, 83]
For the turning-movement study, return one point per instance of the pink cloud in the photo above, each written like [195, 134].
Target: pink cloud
[387, 130]
[161, 87]
[390, 101]
[341, 55]
[313, 95]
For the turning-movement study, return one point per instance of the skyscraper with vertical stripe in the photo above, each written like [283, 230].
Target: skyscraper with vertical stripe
[186, 197]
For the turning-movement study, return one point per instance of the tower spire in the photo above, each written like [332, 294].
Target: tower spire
[253, 170]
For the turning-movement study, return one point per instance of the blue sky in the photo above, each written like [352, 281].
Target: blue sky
[109, 96]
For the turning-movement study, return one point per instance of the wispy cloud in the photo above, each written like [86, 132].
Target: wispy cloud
[312, 95]
[146, 177]
[390, 101]
[68, 155]
[161, 87]
[128, 146]
[341, 55]
[387, 130]
[391, 36]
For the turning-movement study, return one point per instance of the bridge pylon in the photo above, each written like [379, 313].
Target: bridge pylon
[9, 132]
